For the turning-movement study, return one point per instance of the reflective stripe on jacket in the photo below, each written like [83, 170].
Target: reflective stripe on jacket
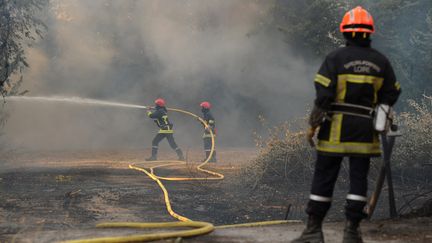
[160, 117]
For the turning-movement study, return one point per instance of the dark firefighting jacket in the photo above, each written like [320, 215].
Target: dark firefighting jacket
[355, 75]
[160, 117]
[208, 117]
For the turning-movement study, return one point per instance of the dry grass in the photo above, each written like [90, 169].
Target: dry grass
[414, 148]
[285, 154]
[285, 162]
[285, 158]
[412, 158]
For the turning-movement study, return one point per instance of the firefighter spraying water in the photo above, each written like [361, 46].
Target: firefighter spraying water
[350, 83]
[160, 116]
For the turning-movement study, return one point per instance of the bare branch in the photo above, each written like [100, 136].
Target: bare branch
[19, 26]
[427, 97]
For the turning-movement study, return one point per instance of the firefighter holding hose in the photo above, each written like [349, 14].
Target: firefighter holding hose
[351, 82]
[208, 117]
[160, 116]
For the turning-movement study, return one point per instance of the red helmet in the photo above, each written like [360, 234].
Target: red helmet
[357, 20]
[160, 102]
[205, 105]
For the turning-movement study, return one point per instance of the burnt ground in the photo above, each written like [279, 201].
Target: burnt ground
[46, 197]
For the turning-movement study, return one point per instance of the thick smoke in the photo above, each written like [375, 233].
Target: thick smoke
[187, 51]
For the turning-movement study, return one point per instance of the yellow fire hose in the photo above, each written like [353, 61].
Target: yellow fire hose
[200, 228]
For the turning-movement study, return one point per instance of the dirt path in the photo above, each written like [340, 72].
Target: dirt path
[46, 197]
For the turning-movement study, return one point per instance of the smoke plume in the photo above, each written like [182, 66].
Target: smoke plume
[132, 51]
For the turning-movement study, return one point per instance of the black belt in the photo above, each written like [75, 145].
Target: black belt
[352, 109]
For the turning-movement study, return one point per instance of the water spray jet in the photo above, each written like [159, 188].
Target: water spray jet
[73, 100]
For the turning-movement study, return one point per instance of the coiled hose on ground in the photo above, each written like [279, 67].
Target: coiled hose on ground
[199, 228]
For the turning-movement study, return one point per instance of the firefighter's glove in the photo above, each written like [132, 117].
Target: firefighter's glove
[149, 111]
[318, 116]
[310, 135]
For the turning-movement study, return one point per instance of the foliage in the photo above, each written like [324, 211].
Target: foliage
[414, 148]
[311, 25]
[18, 26]
[403, 33]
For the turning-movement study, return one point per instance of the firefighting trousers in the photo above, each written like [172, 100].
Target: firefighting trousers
[171, 141]
[323, 183]
[207, 148]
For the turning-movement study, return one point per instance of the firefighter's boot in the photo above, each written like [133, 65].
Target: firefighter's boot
[180, 154]
[213, 158]
[153, 157]
[352, 233]
[313, 232]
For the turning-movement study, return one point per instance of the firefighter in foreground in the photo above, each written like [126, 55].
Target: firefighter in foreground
[351, 82]
[160, 116]
[208, 117]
